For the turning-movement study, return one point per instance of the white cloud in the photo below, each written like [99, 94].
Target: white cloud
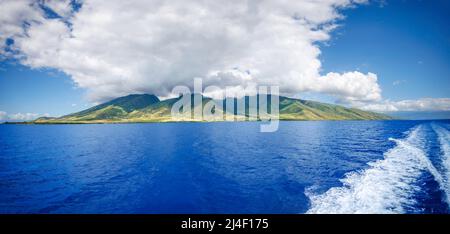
[113, 48]
[351, 86]
[398, 82]
[19, 116]
[423, 104]
[23, 116]
[3, 115]
[14, 15]
[61, 7]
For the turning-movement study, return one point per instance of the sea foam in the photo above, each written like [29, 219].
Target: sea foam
[444, 141]
[387, 186]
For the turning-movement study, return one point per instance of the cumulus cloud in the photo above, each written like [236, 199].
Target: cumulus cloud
[113, 48]
[423, 104]
[19, 116]
[15, 17]
[351, 86]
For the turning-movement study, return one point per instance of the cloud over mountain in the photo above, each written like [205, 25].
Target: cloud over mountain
[113, 48]
[117, 47]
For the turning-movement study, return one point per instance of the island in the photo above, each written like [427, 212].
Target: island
[141, 108]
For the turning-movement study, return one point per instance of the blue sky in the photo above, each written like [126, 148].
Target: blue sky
[25, 90]
[405, 43]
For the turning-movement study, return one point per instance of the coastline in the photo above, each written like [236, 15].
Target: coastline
[192, 121]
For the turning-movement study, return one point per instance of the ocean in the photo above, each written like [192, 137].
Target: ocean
[226, 167]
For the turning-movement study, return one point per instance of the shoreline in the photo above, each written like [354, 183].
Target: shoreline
[152, 122]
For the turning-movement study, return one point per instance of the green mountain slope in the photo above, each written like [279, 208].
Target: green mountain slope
[295, 109]
[148, 108]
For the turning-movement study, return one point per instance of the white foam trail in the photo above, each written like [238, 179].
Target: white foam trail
[444, 141]
[387, 186]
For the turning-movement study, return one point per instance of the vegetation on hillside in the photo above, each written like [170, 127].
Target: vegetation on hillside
[148, 108]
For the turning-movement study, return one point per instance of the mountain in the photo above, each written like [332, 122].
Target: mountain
[148, 108]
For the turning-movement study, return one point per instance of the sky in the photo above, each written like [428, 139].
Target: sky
[59, 57]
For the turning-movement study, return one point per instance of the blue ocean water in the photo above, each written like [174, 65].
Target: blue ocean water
[304, 167]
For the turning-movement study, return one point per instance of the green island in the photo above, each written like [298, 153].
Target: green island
[141, 108]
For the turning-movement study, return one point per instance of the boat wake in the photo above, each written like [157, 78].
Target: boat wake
[387, 186]
[444, 141]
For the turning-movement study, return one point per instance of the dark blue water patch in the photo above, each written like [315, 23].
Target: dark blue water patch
[184, 167]
[431, 199]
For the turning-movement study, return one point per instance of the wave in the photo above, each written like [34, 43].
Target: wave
[444, 141]
[387, 186]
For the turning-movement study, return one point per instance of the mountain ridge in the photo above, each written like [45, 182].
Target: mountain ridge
[149, 108]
